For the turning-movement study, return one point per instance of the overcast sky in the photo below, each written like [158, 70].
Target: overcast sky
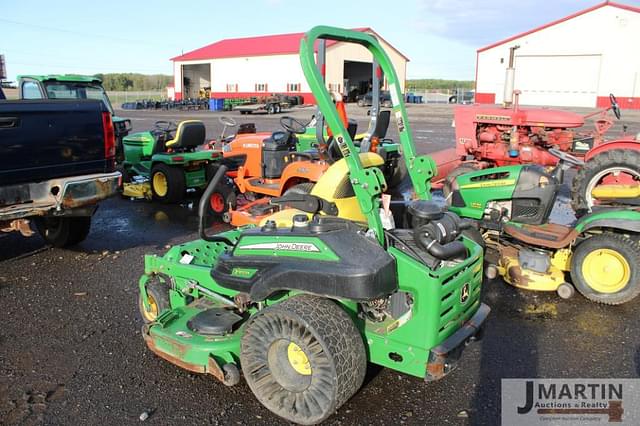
[439, 36]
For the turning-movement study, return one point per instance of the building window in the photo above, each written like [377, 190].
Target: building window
[334, 87]
[233, 87]
[293, 87]
[261, 87]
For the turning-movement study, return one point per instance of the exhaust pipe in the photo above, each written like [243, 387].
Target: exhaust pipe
[509, 80]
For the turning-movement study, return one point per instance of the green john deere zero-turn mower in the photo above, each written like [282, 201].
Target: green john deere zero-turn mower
[301, 309]
[172, 158]
[512, 204]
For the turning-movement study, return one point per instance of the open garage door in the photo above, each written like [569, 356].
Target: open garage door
[357, 79]
[196, 81]
[558, 80]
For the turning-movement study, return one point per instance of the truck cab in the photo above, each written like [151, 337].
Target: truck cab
[73, 86]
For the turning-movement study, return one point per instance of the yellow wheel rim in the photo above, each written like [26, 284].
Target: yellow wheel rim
[152, 313]
[606, 271]
[160, 185]
[298, 359]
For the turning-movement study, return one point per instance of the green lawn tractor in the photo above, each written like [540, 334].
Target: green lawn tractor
[168, 160]
[73, 86]
[512, 204]
[301, 309]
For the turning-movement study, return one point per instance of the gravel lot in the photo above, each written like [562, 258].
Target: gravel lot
[71, 350]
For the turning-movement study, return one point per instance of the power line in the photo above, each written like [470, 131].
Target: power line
[102, 69]
[62, 30]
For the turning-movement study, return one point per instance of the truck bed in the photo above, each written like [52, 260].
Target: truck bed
[46, 139]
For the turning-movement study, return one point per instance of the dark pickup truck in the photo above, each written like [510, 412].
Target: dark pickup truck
[57, 161]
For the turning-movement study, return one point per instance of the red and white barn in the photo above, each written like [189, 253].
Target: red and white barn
[574, 61]
[256, 66]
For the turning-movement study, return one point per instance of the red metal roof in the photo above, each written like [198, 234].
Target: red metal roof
[279, 44]
[566, 18]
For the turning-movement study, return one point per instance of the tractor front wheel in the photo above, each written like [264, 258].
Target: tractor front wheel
[303, 358]
[606, 268]
[168, 183]
[615, 167]
[224, 195]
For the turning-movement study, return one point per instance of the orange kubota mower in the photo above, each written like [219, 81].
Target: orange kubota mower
[265, 165]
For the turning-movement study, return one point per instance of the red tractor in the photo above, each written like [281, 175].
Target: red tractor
[489, 136]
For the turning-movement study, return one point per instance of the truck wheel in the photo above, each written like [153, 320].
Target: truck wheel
[447, 186]
[278, 109]
[167, 183]
[303, 358]
[606, 268]
[157, 298]
[615, 166]
[64, 231]
[271, 109]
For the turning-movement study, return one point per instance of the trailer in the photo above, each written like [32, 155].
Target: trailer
[272, 105]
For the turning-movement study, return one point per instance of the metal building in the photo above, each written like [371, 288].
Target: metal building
[575, 61]
[257, 66]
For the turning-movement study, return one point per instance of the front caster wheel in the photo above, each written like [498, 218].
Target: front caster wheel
[565, 291]
[303, 358]
[157, 300]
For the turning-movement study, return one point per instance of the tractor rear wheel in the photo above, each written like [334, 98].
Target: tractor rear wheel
[303, 358]
[447, 186]
[168, 183]
[606, 268]
[157, 299]
[609, 167]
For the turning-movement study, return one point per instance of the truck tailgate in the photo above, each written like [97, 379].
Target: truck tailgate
[41, 140]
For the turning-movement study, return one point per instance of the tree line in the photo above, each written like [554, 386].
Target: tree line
[434, 83]
[134, 81]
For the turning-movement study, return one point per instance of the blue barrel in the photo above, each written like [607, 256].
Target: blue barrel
[418, 99]
[216, 104]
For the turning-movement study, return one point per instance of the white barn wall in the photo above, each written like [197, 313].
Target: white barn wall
[608, 33]
[279, 70]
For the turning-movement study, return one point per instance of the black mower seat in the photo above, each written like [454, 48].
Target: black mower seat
[190, 134]
[382, 124]
[362, 271]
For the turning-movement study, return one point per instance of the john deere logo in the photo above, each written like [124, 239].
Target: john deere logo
[464, 293]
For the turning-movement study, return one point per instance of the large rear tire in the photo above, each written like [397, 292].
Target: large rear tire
[64, 231]
[303, 358]
[591, 174]
[606, 268]
[168, 183]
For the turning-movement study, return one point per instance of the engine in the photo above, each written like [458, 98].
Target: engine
[504, 144]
